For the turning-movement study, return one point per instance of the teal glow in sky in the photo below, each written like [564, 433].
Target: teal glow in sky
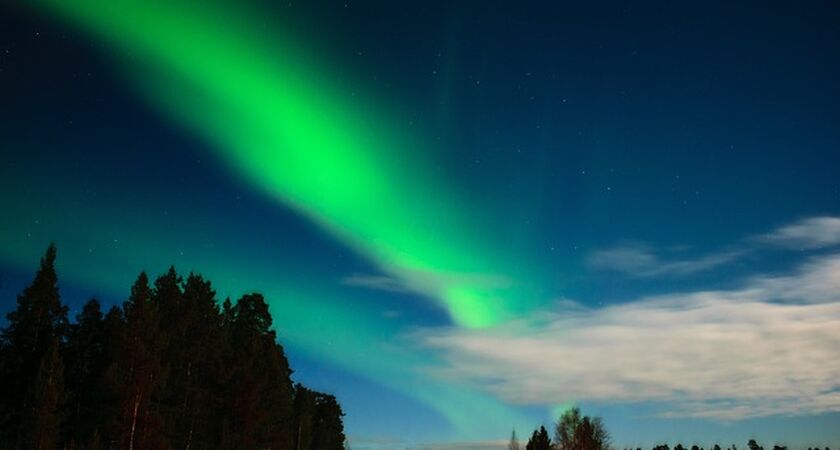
[465, 218]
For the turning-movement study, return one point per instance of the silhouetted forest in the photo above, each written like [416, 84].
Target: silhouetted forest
[170, 369]
[574, 431]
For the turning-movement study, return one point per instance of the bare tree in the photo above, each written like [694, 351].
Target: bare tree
[576, 432]
[514, 443]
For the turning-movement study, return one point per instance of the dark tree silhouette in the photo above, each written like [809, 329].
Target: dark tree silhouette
[169, 369]
[34, 329]
[86, 364]
[194, 354]
[41, 420]
[539, 440]
[140, 370]
[328, 433]
[261, 394]
[304, 418]
[514, 443]
[576, 432]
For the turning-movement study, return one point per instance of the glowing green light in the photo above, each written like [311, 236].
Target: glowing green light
[283, 125]
[279, 121]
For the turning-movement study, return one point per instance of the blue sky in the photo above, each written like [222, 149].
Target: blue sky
[660, 179]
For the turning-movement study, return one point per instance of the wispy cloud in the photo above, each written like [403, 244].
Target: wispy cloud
[423, 281]
[642, 260]
[810, 233]
[375, 282]
[770, 347]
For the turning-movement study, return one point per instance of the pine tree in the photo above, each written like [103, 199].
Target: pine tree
[167, 298]
[140, 371]
[328, 433]
[539, 440]
[304, 418]
[38, 321]
[85, 366]
[260, 399]
[42, 419]
[223, 380]
[195, 362]
[112, 381]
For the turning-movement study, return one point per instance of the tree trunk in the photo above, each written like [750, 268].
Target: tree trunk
[134, 421]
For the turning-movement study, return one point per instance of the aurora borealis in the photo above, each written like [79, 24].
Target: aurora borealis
[428, 195]
[263, 109]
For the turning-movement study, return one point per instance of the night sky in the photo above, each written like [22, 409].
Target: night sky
[466, 217]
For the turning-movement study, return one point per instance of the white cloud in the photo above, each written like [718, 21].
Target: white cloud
[810, 233]
[770, 347]
[375, 282]
[642, 261]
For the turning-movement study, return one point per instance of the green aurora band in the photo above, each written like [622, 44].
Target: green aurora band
[274, 118]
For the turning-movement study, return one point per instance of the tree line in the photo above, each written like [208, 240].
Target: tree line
[170, 368]
[574, 431]
[751, 445]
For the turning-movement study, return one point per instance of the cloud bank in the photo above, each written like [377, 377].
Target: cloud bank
[770, 347]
